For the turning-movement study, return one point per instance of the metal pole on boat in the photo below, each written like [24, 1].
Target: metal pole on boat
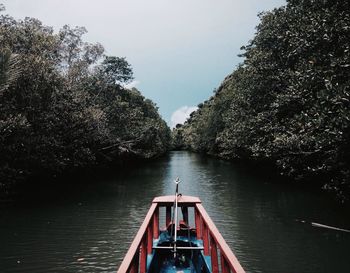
[177, 181]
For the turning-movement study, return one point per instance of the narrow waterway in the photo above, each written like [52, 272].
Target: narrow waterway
[89, 228]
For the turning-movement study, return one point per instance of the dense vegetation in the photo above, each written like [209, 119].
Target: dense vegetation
[63, 105]
[289, 101]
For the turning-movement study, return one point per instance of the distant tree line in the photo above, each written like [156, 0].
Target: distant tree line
[63, 104]
[288, 103]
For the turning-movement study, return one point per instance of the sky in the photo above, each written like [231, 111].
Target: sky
[180, 50]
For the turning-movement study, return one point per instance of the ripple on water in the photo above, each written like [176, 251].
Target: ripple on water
[92, 229]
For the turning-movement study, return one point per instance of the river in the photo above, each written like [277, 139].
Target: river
[89, 228]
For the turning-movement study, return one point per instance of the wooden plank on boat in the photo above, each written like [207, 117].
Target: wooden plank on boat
[149, 239]
[214, 255]
[143, 258]
[205, 239]
[156, 223]
[198, 221]
[225, 250]
[168, 216]
[180, 247]
[183, 199]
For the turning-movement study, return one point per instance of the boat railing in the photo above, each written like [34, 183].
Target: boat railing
[222, 258]
[214, 244]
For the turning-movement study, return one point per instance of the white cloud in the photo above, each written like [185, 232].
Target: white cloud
[181, 115]
[132, 84]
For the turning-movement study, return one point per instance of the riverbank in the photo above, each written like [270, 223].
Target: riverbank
[41, 188]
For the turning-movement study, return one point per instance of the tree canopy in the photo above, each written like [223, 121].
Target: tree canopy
[63, 104]
[289, 101]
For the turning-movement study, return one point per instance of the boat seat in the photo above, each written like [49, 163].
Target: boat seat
[183, 229]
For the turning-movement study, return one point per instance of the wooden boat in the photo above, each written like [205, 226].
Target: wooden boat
[183, 249]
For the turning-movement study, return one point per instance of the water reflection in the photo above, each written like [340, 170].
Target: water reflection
[90, 228]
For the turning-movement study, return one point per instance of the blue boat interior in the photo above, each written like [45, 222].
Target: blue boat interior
[188, 256]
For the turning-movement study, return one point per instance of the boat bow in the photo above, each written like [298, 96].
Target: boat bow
[209, 251]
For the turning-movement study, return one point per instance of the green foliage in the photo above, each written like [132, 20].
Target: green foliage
[62, 109]
[9, 70]
[117, 70]
[289, 102]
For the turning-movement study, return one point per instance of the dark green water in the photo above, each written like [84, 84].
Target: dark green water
[90, 228]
